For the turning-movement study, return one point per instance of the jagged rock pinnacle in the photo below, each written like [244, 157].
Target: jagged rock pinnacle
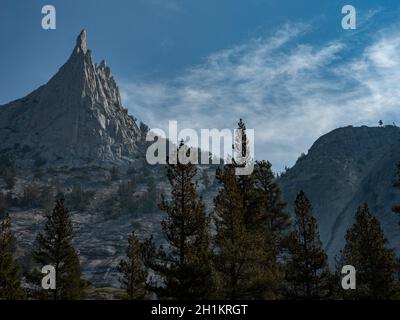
[94, 126]
[81, 41]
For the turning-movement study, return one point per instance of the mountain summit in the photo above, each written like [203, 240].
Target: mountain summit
[81, 42]
[76, 117]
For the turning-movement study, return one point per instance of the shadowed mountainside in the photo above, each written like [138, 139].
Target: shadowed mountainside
[342, 170]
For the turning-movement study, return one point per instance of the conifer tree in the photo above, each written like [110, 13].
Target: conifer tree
[307, 270]
[241, 153]
[185, 266]
[248, 233]
[54, 247]
[144, 129]
[273, 221]
[236, 249]
[270, 202]
[133, 271]
[10, 285]
[396, 184]
[375, 264]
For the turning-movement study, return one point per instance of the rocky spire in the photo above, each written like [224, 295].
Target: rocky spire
[81, 42]
[78, 115]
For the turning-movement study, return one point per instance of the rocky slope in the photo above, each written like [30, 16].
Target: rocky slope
[344, 169]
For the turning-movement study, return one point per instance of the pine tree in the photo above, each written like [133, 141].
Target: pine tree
[236, 249]
[144, 129]
[54, 247]
[185, 266]
[270, 202]
[133, 271]
[10, 285]
[307, 270]
[273, 222]
[248, 233]
[375, 264]
[396, 184]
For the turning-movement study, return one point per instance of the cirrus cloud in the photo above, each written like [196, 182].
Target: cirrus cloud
[290, 92]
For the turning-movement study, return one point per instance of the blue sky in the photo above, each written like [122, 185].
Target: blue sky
[286, 67]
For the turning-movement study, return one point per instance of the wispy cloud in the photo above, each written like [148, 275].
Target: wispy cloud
[288, 91]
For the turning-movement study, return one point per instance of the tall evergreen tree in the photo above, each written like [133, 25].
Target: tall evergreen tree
[375, 264]
[185, 266]
[10, 285]
[54, 247]
[396, 184]
[271, 204]
[307, 270]
[133, 271]
[250, 222]
[273, 223]
[245, 182]
[238, 251]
